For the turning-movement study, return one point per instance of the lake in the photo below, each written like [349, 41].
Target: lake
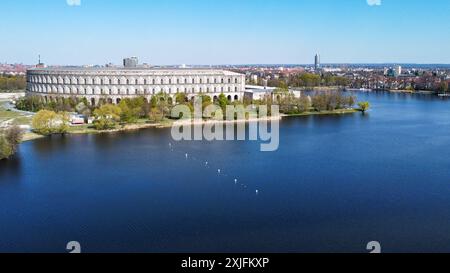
[334, 184]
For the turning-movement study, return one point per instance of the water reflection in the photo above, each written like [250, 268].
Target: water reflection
[10, 169]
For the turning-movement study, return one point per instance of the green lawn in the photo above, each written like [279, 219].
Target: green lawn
[17, 118]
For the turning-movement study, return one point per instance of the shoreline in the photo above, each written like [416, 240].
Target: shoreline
[86, 129]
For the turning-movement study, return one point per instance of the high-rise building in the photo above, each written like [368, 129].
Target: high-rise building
[317, 62]
[397, 70]
[130, 62]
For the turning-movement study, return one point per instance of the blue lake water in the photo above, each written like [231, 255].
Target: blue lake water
[336, 183]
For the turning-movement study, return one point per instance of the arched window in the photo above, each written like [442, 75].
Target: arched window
[222, 80]
[229, 80]
[236, 80]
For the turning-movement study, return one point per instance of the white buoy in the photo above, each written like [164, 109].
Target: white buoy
[235, 181]
[257, 191]
[187, 155]
[218, 171]
[206, 163]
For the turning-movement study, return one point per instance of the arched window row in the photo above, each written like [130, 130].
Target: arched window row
[86, 80]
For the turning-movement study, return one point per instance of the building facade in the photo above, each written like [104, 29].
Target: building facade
[114, 84]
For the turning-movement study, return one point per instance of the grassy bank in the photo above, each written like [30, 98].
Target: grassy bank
[143, 124]
[315, 113]
[14, 118]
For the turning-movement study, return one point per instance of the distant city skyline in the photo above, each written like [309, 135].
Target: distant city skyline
[201, 32]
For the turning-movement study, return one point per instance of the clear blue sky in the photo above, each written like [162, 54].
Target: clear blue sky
[225, 31]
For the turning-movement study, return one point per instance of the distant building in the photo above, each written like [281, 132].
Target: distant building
[317, 62]
[397, 70]
[130, 62]
[254, 79]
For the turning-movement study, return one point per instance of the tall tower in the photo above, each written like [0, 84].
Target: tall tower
[317, 62]
[40, 64]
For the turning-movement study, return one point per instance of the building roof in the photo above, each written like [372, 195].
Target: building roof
[136, 70]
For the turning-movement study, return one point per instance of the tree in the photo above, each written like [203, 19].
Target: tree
[30, 103]
[364, 106]
[443, 87]
[13, 136]
[304, 103]
[155, 115]
[222, 101]
[107, 116]
[63, 123]
[351, 100]
[319, 102]
[47, 122]
[180, 98]
[5, 148]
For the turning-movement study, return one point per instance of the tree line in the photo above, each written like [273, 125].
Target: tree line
[12, 83]
[53, 118]
[309, 80]
[322, 101]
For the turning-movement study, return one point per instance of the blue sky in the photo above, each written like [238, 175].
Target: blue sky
[225, 31]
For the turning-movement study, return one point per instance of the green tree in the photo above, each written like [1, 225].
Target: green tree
[62, 123]
[222, 101]
[107, 116]
[47, 122]
[155, 115]
[180, 98]
[364, 106]
[44, 122]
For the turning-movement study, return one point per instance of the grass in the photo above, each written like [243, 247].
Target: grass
[15, 117]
